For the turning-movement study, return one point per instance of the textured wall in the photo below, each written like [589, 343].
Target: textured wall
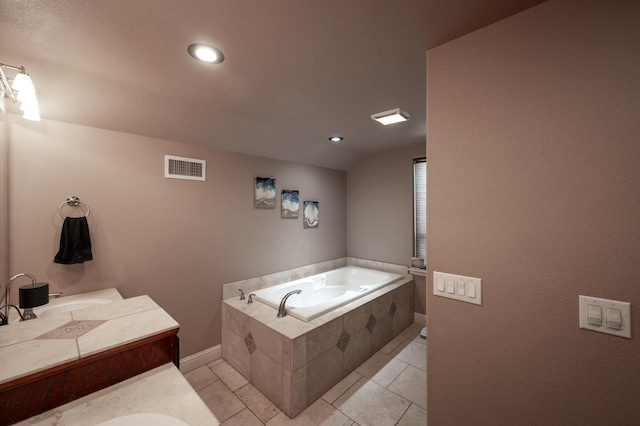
[533, 178]
[177, 241]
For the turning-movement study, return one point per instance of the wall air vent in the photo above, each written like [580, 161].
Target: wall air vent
[184, 168]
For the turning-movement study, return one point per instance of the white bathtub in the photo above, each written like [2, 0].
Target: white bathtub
[324, 292]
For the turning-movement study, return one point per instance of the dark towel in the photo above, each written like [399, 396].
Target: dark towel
[75, 244]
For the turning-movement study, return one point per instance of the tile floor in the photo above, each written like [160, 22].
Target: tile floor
[390, 388]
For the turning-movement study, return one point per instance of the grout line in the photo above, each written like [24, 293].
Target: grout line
[405, 412]
[331, 404]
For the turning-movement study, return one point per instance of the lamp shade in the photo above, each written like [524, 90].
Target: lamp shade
[33, 115]
[32, 295]
[23, 83]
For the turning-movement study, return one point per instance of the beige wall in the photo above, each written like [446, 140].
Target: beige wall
[175, 240]
[380, 206]
[533, 180]
[380, 209]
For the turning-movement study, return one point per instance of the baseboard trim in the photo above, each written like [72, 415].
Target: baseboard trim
[201, 358]
[420, 318]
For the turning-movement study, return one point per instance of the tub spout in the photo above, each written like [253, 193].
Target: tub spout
[281, 310]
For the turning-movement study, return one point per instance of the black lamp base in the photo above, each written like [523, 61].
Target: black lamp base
[33, 295]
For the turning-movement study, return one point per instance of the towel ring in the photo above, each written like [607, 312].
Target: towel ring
[73, 201]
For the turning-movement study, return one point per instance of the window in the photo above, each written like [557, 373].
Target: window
[420, 207]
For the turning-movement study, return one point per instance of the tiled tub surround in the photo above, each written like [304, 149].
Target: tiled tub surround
[48, 362]
[293, 362]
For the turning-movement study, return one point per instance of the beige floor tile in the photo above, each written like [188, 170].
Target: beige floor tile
[412, 331]
[381, 368]
[389, 347]
[221, 401]
[340, 388]
[412, 385]
[201, 377]
[320, 413]
[228, 374]
[243, 418]
[415, 416]
[412, 352]
[255, 401]
[370, 404]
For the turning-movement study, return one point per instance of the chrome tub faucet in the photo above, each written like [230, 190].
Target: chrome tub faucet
[281, 310]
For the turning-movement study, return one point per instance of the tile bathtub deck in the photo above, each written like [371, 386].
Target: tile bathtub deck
[390, 388]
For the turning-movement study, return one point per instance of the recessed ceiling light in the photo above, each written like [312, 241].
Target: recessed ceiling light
[205, 53]
[392, 116]
[336, 139]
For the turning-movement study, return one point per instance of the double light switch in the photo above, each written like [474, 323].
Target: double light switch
[605, 316]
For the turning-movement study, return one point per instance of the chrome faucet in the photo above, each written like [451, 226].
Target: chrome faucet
[7, 296]
[281, 311]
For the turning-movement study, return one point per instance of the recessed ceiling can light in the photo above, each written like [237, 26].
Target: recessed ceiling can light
[336, 139]
[205, 53]
[392, 116]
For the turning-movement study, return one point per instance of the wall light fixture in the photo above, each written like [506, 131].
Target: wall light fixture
[20, 89]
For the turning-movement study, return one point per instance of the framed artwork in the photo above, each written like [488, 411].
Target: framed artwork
[310, 212]
[290, 204]
[265, 193]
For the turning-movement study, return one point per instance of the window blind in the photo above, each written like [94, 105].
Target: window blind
[420, 207]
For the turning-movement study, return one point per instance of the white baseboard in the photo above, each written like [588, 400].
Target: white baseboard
[420, 318]
[201, 358]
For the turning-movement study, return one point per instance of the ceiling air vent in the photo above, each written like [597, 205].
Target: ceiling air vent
[184, 168]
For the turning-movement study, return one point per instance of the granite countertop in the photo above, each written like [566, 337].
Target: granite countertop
[36, 345]
[162, 390]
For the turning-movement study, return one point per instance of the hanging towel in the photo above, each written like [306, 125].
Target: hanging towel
[75, 244]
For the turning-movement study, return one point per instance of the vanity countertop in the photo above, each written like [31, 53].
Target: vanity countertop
[162, 390]
[32, 346]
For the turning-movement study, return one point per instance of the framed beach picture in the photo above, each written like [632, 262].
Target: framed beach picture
[265, 193]
[310, 212]
[290, 204]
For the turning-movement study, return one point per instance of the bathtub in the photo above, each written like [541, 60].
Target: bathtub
[324, 292]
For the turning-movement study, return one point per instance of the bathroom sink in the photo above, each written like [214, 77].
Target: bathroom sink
[144, 419]
[71, 305]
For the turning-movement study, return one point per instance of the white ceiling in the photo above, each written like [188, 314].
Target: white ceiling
[295, 71]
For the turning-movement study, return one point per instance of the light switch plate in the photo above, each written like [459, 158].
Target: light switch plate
[457, 287]
[623, 307]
